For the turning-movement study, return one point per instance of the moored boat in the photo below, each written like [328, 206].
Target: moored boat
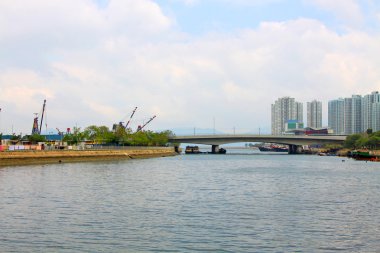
[364, 155]
[192, 150]
[273, 148]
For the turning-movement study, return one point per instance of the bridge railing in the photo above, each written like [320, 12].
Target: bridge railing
[220, 131]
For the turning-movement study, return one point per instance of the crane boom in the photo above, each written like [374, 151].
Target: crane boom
[42, 116]
[130, 118]
[141, 127]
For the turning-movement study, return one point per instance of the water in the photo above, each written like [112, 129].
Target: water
[193, 203]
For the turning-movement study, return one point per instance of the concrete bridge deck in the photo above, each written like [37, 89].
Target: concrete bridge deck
[293, 141]
[280, 139]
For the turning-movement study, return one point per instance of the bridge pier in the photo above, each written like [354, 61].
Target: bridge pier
[215, 149]
[295, 149]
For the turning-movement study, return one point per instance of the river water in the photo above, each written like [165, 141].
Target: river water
[193, 203]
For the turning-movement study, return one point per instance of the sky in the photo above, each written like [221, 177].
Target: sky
[193, 63]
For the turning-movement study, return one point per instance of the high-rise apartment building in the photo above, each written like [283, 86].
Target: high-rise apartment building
[369, 112]
[283, 110]
[314, 114]
[375, 123]
[355, 114]
[336, 116]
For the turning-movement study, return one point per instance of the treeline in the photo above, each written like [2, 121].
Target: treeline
[102, 135]
[369, 140]
[121, 136]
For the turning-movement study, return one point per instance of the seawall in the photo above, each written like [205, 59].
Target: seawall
[15, 158]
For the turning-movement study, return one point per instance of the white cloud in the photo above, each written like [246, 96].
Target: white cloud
[232, 2]
[348, 11]
[188, 2]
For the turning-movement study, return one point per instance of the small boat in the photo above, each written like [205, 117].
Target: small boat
[192, 150]
[222, 151]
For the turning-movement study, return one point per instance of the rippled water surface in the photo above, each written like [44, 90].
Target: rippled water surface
[193, 203]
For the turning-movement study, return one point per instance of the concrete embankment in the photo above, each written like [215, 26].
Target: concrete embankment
[16, 158]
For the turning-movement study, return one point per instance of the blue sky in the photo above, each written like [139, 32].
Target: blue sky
[186, 61]
[207, 16]
[198, 17]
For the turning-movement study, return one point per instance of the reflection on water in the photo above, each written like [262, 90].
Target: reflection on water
[231, 203]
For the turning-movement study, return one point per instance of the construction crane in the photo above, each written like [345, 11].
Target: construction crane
[139, 128]
[116, 126]
[61, 141]
[130, 118]
[35, 124]
[42, 116]
[37, 128]
[59, 132]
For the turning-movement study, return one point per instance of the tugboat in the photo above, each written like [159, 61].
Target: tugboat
[192, 150]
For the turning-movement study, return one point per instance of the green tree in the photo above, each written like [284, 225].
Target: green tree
[75, 137]
[362, 142]
[373, 142]
[123, 135]
[162, 138]
[368, 139]
[100, 134]
[351, 140]
[91, 132]
[139, 139]
[120, 136]
[35, 138]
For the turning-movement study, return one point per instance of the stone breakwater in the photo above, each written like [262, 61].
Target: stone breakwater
[63, 156]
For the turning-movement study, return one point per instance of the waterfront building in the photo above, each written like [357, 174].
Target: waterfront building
[336, 116]
[283, 110]
[314, 114]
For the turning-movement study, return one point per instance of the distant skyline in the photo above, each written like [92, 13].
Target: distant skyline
[186, 61]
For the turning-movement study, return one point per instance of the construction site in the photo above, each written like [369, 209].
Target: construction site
[92, 137]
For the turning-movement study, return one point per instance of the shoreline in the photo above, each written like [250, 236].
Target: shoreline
[19, 158]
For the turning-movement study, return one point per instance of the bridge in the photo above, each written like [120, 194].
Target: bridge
[293, 141]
